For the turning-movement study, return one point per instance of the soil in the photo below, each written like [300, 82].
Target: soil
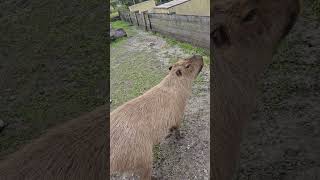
[175, 158]
[282, 141]
[51, 68]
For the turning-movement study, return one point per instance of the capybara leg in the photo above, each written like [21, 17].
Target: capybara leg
[178, 134]
[146, 174]
[176, 131]
[145, 163]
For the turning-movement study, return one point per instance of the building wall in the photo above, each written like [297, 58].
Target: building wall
[192, 7]
[144, 6]
[160, 10]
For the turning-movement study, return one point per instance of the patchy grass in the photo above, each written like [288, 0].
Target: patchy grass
[156, 152]
[124, 25]
[132, 78]
[121, 24]
[114, 14]
[188, 48]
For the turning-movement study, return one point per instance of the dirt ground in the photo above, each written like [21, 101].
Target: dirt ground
[282, 141]
[51, 68]
[145, 57]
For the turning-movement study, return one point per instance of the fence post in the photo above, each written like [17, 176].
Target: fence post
[135, 13]
[144, 19]
[130, 18]
[149, 21]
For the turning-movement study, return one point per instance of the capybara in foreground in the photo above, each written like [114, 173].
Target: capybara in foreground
[76, 150]
[144, 121]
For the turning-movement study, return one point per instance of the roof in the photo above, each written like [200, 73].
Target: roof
[171, 4]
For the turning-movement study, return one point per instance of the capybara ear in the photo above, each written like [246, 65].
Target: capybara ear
[178, 72]
[170, 68]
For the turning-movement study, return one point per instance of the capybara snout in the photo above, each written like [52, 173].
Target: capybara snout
[189, 67]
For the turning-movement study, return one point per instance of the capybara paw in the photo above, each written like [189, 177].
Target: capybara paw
[178, 135]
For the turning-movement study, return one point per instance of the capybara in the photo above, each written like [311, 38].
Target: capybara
[144, 121]
[75, 150]
[245, 35]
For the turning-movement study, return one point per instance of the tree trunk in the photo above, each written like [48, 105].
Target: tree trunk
[244, 35]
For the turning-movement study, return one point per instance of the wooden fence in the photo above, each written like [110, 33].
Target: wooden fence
[192, 29]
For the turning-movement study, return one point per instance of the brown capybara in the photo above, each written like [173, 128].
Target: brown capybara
[144, 121]
[76, 150]
[245, 35]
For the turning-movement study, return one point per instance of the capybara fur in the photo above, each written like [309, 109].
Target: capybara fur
[245, 35]
[75, 150]
[144, 121]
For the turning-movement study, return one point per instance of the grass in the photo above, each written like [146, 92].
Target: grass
[126, 27]
[156, 152]
[188, 48]
[114, 14]
[121, 24]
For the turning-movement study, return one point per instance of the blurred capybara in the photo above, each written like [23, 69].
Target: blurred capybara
[144, 121]
[75, 150]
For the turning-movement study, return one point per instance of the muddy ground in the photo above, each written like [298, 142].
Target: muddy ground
[137, 64]
[282, 141]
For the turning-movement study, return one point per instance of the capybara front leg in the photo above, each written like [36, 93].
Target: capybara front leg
[146, 173]
[176, 131]
[145, 165]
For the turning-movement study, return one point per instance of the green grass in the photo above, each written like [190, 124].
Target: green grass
[126, 27]
[114, 14]
[121, 24]
[131, 74]
[156, 152]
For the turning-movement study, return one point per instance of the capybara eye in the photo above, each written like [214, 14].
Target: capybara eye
[188, 65]
[170, 68]
[220, 36]
[250, 16]
[178, 72]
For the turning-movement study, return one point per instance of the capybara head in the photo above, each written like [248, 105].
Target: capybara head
[245, 33]
[189, 67]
